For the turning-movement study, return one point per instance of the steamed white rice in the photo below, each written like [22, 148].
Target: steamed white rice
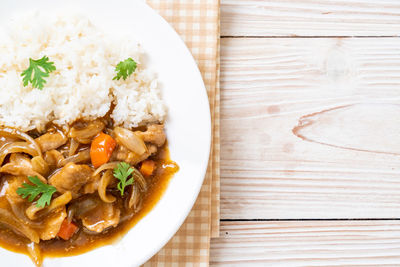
[82, 85]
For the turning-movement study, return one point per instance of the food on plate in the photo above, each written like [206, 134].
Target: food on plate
[83, 148]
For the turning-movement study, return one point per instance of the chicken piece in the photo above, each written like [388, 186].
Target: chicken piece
[71, 178]
[20, 159]
[51, 140]
[53, 158]
[46, 228]
[20, 164]
[92, 185]
[52, 224]
[154, 134]
[13, 183]
[39, 165]
[152, 149]
[121, 153]
[102, 216]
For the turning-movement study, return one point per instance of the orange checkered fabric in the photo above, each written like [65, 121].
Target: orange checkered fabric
[197, 22]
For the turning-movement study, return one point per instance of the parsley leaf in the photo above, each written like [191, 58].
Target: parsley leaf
[35, 190]
[122, 172]
[125, 68]
[37, 71]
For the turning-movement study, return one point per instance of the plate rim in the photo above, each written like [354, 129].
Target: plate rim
[205, 162]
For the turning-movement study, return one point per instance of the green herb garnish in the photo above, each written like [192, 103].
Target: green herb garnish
[122, 173]
[125, 68]
[37, 71]
[38, 188]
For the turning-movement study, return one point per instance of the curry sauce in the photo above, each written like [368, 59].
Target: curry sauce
[83, 241]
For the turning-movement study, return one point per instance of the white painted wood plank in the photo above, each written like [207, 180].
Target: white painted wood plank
[310, 128]
[310, 18]
[315, 243]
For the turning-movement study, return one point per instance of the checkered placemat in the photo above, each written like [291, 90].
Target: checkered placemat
[197, 22]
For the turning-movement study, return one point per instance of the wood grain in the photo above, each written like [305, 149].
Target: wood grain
[310, 18]
[310, 128]
[315, 243]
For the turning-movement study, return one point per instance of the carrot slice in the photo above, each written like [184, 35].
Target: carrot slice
[147, 167]
[67, 230]
[101, 149]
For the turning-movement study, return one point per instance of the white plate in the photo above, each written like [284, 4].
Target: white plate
[188, 125]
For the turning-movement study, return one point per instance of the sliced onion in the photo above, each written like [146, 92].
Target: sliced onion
[73, 147]
[8, 219]
[135, 196]
[15, 169]
[83, 156]
[84, 141]
[102, 189]
[14, 133]
[91, 130]
[138, 177]
[130, 140]
[82, 206]
[17, 147]
[32, 210]
[107, 166]
[35, 253]
[19, 211]
[56, 203]
[70, 214]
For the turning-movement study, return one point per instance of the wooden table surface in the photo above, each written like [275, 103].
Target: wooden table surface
[310, 133]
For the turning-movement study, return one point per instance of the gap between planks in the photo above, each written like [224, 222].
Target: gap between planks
[310, 243]
[310, 18]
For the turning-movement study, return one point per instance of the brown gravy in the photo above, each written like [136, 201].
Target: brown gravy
[83, 242]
